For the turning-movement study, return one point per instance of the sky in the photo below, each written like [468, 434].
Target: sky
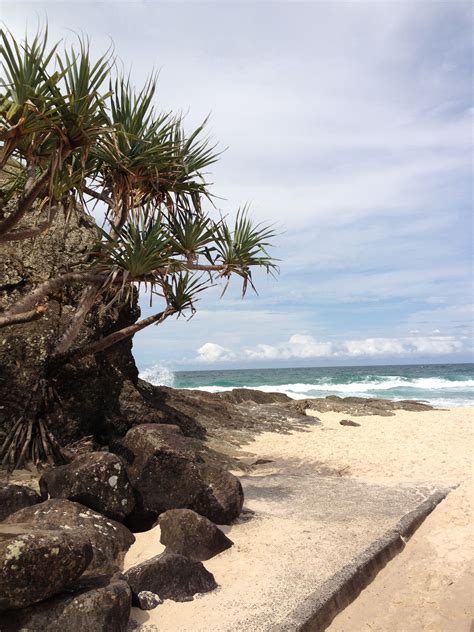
[346, 124]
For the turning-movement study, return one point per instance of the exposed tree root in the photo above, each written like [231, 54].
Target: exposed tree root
[30, 439]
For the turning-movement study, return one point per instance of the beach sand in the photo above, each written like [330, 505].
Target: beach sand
[426, 587]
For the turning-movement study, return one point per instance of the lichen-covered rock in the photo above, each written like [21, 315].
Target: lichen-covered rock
[92, 604]
[39, 564]
[146, 600]
[110, 539]
[185, 532]
[97, 480]
[222, 497]
[170, 576]
[15, 497]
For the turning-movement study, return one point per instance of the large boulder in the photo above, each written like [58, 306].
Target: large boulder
[162, 471]
[15, 497]
[110, 539]
[37, 565]
[92, 604]
[222, 497]
[185, 532]
[166, 473]
[170, 576]
[97, 480]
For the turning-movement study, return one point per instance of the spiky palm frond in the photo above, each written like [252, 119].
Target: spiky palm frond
[181, 290]
[27, 112]
[83, 106]
[190, 234]
[141, 247]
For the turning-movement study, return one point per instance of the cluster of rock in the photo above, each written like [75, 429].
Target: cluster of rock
[61, 552]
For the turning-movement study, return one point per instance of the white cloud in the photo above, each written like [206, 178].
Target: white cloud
[211, 352]
[429, 345]
[302, 346]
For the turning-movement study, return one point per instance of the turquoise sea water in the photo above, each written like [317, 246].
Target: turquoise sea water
[443, 385]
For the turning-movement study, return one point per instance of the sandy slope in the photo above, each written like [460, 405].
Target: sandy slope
[427, 587]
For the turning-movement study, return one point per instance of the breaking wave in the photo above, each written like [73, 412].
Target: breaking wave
[158, 375]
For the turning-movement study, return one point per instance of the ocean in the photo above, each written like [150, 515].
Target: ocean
[442, 385]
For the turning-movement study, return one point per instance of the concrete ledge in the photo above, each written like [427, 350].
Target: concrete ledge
[320, 608]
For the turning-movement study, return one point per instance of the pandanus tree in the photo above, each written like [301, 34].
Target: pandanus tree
[75, 134]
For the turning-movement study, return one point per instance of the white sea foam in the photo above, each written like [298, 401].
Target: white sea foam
[158, 375]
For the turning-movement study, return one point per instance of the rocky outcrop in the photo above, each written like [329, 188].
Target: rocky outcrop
[97, 480]
[39, 564]
[97, 395]
[110, 540]
[240, 412]
[170, 576]
[358, 405]
[15, 497]
[92, 604]
[187, 533]
[87, 391]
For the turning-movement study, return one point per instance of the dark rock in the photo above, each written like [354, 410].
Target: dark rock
[37, 565]
[170, 576]
[110, 539]
[349, 422]
[222, 497]
[163, 471]
[15, 497]
[97, 480]
[166, 474]
[262, 461]
[146, 600]
[185, 532]
[92, 604]
[239, 395]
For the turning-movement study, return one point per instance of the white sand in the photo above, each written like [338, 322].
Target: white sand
[433, 445]
[420, 590]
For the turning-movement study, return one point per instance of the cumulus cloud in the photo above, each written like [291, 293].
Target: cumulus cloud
[211, 352]
[302, 346]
